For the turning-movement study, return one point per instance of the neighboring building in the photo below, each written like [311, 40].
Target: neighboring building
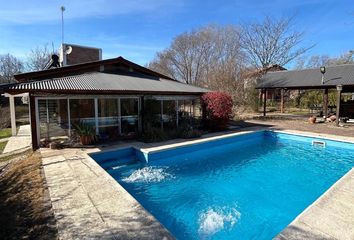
[253, 77]
[117, 97]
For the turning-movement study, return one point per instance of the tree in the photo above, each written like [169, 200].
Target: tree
[272, 42]
[38, 58]
[194, 57]
[317, 61]
[9, 65]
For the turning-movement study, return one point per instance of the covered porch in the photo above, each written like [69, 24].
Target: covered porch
[337, 78]
[113, 117]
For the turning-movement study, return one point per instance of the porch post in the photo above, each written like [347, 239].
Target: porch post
[69, 117]
[339, 93]
[282, 100]
[161, 114]
[177, 113]
[325, 102]
[33, 121]
[119, 118]
[264, 102]
[13, 115]
[96, 115]
[141, 113]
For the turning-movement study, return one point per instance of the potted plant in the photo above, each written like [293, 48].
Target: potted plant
[312, 119]
[86, 132]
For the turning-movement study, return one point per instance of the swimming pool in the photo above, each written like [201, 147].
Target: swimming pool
[249, 186]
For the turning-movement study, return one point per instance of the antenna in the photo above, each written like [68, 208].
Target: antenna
[62, 8]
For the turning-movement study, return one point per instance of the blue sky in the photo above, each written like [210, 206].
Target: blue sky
[138, 29]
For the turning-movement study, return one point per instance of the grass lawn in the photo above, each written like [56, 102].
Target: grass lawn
[2, 146]
[24, 205]
[5, 133]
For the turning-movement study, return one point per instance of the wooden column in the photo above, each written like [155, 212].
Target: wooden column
[325, 102]
[264, 102]
[141, 114]
[282, 100]
[339, 93]
[33, 123]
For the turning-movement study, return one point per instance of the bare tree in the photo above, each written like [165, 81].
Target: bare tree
[193, 57]
[9, 65]
[38, 58]
[272, 42]
[324, 60]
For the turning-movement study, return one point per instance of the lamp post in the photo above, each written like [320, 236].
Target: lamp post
[339, 92]
[323, 71]
[325, 93]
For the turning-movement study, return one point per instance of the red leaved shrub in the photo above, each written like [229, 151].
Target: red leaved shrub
[217, 110]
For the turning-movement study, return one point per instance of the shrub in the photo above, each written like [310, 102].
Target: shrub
[188, 131]
[155, 134]
[5, 120]
[217, 110]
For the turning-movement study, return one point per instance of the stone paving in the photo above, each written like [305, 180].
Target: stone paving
[21, 141]
[89, 204]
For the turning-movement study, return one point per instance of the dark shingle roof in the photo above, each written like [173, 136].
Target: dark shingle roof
[309, 78]
[98, 81]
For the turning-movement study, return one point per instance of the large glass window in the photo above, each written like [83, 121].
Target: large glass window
[53, 118]
[108, 119]
[129, 108]
[152, 114]
[82, 110]
[169, 113]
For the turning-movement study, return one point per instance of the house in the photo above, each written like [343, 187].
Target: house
[117, 97]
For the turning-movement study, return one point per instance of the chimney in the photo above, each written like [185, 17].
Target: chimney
[70, 54]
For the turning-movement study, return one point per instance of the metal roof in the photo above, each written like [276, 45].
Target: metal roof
[99, 81]
[309, 78]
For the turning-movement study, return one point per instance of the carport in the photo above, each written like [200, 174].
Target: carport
[340, 78]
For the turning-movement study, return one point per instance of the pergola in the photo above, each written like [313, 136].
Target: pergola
[339, 77]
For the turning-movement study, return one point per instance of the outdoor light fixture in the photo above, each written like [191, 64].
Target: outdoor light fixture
[339, 88]
[323, 71]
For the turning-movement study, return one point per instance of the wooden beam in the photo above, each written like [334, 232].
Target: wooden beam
[282, 100]
[325, 102]
[339, 93]
[33, 123]
[264, 102]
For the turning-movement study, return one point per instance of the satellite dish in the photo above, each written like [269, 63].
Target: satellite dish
[68, 50]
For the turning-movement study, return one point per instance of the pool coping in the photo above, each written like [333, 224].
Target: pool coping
[104, 211]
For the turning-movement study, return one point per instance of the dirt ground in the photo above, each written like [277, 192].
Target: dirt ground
[25, 208]
[303, 125]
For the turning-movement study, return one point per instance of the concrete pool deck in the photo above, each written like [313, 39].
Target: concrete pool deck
[89, 203]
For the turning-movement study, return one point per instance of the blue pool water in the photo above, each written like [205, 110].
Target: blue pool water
[244, 187]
